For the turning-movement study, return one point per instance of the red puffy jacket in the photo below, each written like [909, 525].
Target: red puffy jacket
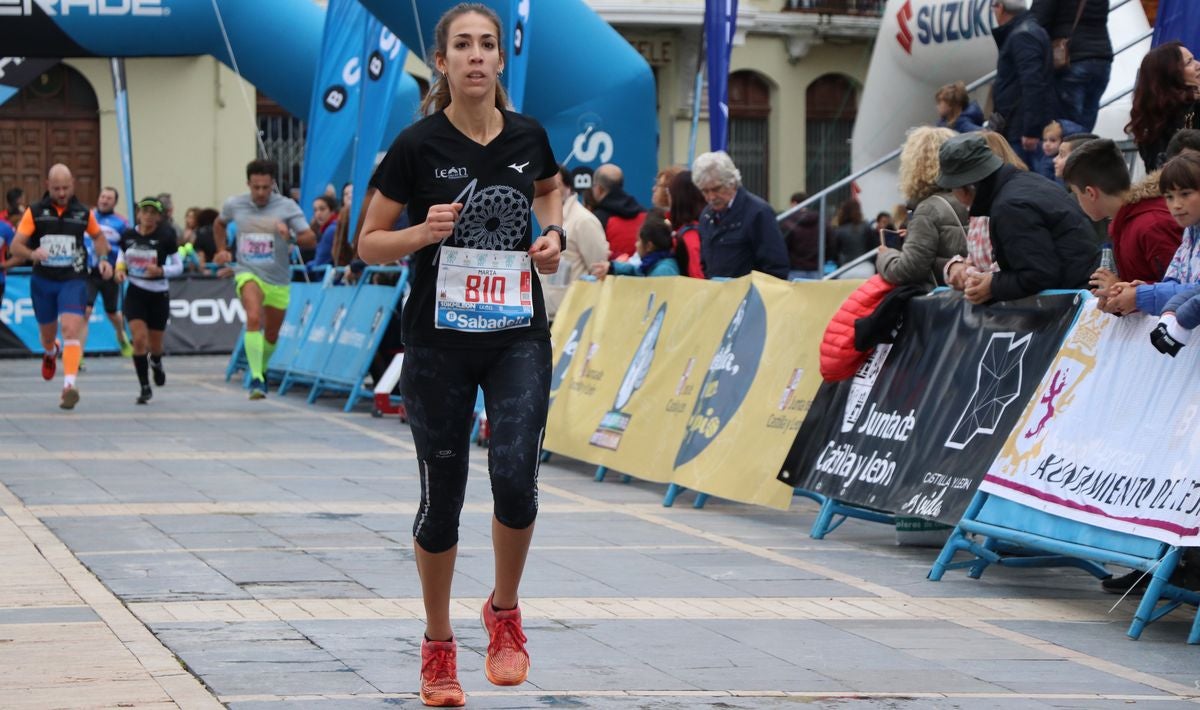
[622, 233]
[839, 359]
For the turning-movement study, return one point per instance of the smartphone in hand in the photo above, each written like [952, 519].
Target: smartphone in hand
[890, 238]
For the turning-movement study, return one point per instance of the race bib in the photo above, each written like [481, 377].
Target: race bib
[256, 248]
[482, 291]
[139, 259]
[61, 250]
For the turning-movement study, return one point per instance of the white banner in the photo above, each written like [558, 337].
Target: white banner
[1112, 436]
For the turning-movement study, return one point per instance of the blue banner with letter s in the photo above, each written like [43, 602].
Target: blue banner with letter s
[384, 56]
[332, 118]
[720, 24]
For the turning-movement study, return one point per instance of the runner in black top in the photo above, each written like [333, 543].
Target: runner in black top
[469, 175]
[149, 256]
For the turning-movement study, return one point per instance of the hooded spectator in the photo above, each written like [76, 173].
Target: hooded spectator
[619, 214]
[956, 110]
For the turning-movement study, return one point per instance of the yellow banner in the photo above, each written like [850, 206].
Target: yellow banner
[686, 381]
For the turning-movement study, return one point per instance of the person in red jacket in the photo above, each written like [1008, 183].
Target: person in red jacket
[1144, 234]
[617, 210]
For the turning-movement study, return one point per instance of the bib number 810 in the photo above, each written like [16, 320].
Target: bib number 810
[485, 289]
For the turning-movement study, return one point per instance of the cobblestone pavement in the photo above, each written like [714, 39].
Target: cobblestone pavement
[207, 550]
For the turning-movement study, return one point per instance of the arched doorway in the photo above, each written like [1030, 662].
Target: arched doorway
[749, 119]
[831, 106]
[54, 119]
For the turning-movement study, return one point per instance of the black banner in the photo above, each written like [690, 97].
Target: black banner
[16, 72]
[206, 317]
[915, 430]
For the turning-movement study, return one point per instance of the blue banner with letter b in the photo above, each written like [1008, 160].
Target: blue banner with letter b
[332, 118]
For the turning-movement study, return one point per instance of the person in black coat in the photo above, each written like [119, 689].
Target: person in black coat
[1023, 92]
[1166, 100]
[1080, 85]
[738, 231]
[1040, 239]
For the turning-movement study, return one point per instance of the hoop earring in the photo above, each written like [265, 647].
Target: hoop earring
[500, 73]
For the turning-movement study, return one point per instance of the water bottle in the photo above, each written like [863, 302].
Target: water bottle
[1107, 261]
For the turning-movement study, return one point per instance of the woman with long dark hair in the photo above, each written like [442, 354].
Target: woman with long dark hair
[1165, 99]
[687, 202]
[472, 174]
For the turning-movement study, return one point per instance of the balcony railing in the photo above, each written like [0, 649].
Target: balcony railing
[870, 8]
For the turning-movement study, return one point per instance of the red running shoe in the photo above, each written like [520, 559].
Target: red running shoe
[507, 660]
[50, 363]
[439, 675]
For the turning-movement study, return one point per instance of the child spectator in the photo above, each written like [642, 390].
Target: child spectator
[1186, 139]
[1180, 183]
[1183, 272]
[1070, 143]
[656, 247]
[956, 110]
[1144, 234]
[1052, 139]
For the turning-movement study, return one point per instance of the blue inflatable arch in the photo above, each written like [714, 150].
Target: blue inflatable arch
[598, 105]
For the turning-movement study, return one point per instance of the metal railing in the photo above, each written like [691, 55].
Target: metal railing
[821, 197]
[872, 8]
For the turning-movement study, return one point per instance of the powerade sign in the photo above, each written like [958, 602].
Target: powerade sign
[940, 23]
[102, 8]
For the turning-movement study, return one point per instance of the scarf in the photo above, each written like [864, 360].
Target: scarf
[1185, 265]
[649, 261]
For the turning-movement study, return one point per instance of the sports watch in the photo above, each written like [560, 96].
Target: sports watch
[562, 236]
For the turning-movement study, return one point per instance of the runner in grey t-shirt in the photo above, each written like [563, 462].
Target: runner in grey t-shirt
[261, 249]
[266, 222]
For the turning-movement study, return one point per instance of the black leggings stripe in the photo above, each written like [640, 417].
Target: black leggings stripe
[439, 387]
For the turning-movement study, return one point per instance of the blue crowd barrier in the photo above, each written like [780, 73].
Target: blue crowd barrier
[330, 334]
[1055, 541]
[354, 343]
[299, 307]
[318, 340]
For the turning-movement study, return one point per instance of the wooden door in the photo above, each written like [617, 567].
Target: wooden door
[55, 119]
[23, 156]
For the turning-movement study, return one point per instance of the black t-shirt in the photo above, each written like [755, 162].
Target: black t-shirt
[144, 249]
[431, 162]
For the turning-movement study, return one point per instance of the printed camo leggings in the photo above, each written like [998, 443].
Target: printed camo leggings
[439, 387]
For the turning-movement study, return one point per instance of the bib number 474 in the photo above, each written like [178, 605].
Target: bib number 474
[485, 289]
